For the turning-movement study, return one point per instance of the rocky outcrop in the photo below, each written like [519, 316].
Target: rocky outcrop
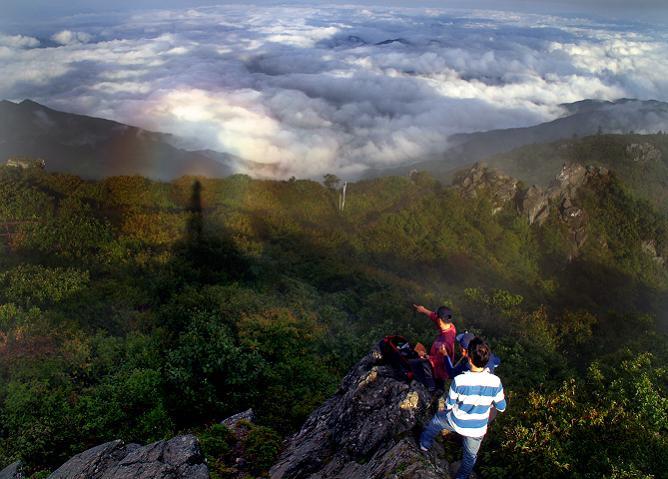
[649, 247]
[643, 153]
[534, 203]
[481, 178]
[178, 458]
[239, 425]
[571, 177]
[365, 431]
[13, 471]
[562, 193]
[232, 422]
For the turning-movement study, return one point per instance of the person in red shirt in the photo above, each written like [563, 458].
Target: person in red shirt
[443, 345]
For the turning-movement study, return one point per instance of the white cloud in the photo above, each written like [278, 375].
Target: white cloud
[18, 41]
[303, 91]
[68, 37]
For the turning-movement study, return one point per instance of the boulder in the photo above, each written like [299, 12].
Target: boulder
[13, 471]
[233, 421]
[177, 458]
[365, 431]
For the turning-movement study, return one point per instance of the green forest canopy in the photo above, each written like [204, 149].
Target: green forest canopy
[135, 309]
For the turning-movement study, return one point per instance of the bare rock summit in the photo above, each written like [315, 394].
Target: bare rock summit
[366, 430]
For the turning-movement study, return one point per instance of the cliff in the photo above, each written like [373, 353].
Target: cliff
[367, 430]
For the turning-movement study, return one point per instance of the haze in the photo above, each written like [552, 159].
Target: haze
[314, 88]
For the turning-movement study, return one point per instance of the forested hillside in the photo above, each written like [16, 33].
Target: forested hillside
[641, 161]
[136, 309]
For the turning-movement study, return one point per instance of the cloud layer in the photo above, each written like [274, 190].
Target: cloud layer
[303, 91]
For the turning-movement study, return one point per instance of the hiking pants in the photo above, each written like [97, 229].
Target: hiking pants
[423, 373]
[470, 445]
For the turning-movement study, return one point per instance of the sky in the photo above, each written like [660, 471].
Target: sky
[303, 90]
[647, 10]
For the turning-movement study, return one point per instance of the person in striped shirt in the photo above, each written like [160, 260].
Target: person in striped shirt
[468, 407]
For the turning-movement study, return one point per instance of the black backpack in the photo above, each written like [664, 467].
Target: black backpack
[396, 352]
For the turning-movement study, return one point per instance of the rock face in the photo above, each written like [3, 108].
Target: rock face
[365, 431]
[535, 203]
[482, 178]
[178, 458]
[643, 153]
[13, 471]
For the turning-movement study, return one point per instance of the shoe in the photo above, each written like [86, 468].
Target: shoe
[423, 449]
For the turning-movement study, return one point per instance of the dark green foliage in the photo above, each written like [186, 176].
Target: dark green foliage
[36, 285]
[258, 445]
[133, 309]
[590, 427]
[262, 447]
[217, 442]
[207, 373]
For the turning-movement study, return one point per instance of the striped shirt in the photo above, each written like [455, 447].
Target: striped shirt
[469, 400]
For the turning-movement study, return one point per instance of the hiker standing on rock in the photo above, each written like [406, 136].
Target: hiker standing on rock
[468, 406]
[444, 344]
[463, 364]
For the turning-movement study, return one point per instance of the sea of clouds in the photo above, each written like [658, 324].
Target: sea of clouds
[304, 91]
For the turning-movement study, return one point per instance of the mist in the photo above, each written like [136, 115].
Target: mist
[303, 90]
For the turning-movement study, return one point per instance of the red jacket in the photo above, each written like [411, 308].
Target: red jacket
[443, 345]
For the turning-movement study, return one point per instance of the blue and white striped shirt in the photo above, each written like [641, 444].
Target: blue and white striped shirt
[470, 397]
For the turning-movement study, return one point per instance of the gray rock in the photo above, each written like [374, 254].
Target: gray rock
[572, 175]
[232, 421]
[643, 153]
[13, 471]
[534, 204]
[92, 464]
[178, 458]
[482, 179]
[365, 431]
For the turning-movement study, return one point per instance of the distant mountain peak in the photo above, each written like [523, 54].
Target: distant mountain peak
[403, 41]
[29, 102]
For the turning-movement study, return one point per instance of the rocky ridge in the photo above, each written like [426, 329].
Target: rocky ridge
[177, 458]
[536, 204]
[365, 431]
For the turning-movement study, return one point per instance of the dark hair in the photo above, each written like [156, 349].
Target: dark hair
[479, 352]
[444, 313]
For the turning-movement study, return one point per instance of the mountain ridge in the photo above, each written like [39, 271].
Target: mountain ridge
[95, 148]
[587, 117]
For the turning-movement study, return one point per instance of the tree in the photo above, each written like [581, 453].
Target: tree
[331, 181]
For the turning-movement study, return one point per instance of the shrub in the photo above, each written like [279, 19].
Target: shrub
[262, 447]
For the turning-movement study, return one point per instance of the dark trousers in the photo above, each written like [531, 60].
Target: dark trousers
[423, 373]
